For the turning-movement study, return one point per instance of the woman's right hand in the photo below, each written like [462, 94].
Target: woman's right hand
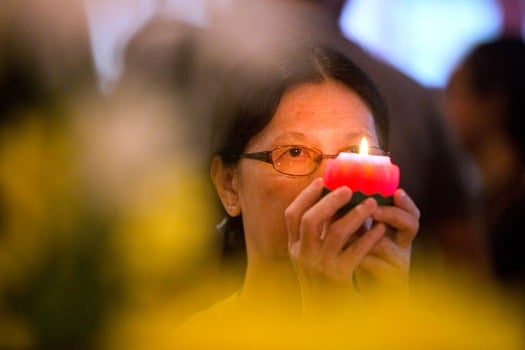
[326, 249]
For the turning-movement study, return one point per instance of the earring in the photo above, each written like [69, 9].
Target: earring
[231, 209]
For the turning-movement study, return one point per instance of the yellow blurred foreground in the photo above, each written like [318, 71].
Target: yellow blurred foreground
[108, 242]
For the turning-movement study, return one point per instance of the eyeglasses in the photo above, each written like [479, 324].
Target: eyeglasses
[298, 160]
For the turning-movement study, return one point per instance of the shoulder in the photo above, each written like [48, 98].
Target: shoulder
[209, 323]
[229, 306]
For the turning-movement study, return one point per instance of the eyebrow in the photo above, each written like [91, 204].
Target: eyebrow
[292, 134]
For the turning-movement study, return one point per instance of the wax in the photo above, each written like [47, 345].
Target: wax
[366, 175]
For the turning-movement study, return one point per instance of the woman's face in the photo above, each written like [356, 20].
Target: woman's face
[327, 116]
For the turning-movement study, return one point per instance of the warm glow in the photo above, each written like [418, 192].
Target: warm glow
[363, 148]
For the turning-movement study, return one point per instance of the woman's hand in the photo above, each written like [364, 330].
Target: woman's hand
[327, 250]
[386, 267]
[324, 250]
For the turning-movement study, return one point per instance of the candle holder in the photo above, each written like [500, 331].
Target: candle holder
[358, 197]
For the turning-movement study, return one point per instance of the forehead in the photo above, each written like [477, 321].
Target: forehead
[327, 109]
[328, 94]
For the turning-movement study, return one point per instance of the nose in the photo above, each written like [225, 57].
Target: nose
[320, 169]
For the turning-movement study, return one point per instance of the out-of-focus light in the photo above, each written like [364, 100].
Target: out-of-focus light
[424, 39]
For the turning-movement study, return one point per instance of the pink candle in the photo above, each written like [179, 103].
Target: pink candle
[372, 175]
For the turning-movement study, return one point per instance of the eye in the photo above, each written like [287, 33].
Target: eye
[291, 154]
[295, 152]
[294, 160]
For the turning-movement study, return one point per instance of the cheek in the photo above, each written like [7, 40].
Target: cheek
[268, 190]
[263, 197]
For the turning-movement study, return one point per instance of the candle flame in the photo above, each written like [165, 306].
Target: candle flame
[363, 148]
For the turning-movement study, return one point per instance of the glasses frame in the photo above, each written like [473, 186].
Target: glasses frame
[266, 156]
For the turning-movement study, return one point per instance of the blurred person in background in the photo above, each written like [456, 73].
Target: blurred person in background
[104, 218]
[164, 57]
[485, 100]
[169, 248]
[50, 291]
[45, 54]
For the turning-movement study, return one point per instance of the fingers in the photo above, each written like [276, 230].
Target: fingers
[307, 215]
[296, 209]
[403, 201]
[325, 245]
[342, 230]
[374, 272]
[389, 252]
[354, 254]
[403, 217]
[315, 225]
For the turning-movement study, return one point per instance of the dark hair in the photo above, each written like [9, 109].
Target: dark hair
[497, 68]
[249, 100]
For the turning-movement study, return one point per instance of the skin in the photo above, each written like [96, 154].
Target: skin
[289, 231]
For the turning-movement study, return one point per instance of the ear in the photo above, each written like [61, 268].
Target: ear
[225, 180]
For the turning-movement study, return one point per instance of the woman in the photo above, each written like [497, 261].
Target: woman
[304, 262]
[318, 101]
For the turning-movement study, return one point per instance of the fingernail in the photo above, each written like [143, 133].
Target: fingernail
[318, 182]
[342, 189]
[369, 202]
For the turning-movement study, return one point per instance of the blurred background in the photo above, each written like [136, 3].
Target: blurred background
[397, 31]
[108, 220]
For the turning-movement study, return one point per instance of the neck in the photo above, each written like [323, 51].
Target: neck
[272, 284]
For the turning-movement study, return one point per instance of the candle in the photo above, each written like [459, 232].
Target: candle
[365, 174]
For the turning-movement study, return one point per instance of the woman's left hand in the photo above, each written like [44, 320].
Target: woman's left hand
[386, 266]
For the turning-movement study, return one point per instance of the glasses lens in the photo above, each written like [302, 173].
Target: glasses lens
[294, 160]
[377, 151]
[374, 151]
